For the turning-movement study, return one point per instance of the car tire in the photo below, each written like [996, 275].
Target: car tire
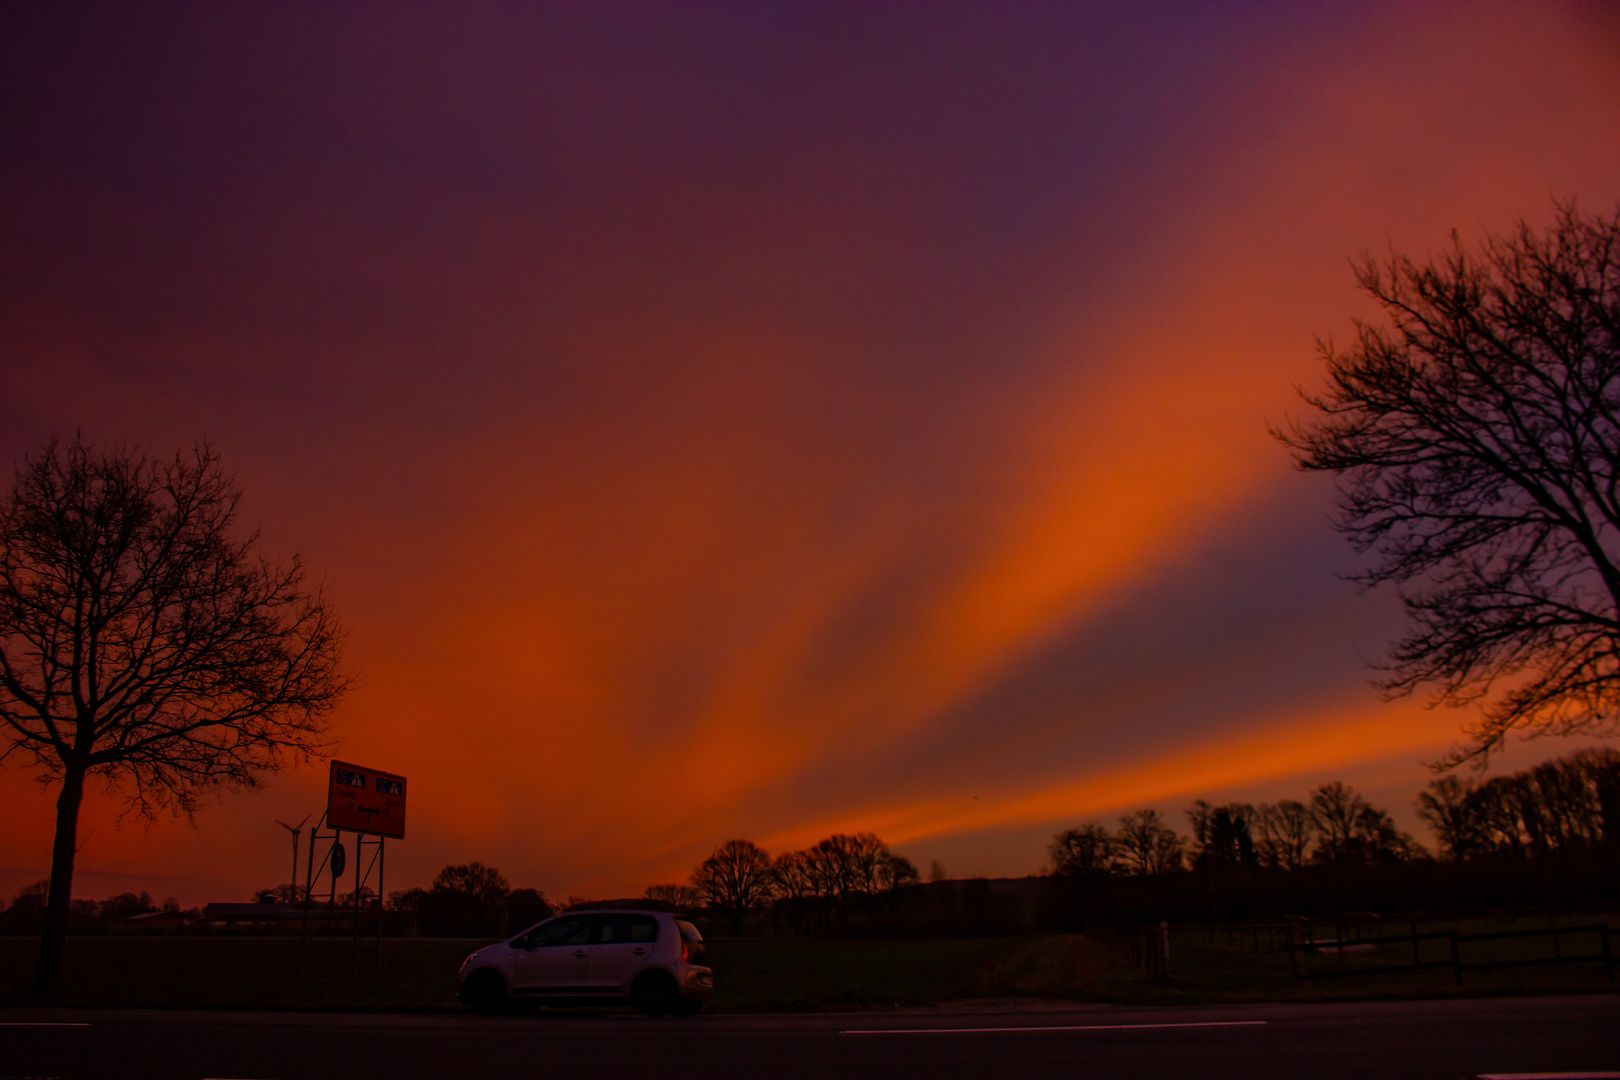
[484, 992]
[687, 1006]
[655, 993]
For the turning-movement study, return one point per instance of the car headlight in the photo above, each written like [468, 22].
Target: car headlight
[465, 962]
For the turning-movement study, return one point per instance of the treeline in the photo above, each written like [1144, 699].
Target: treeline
[26, 911]
[1335, 827]
[844, 877]
[1564, 805]
[468, 900]
[1332, 851]
[1561, 806]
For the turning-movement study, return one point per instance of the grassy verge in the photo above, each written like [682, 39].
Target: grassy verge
[752, 975]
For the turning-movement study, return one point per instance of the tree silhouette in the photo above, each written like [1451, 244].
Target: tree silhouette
[467, 899]
[1081, 852]
[1559, 805]
[1146, 845]
[1284, 830]
[734, 880]
[525, 907]
[794, 880]
[1221, 835]
[1447, 810]
[143, 642]
[895, 874]
[1352, 830]
[1477, 444]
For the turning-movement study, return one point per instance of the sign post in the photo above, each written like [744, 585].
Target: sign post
[371, 804]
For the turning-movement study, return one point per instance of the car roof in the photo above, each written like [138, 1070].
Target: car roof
[617, 911]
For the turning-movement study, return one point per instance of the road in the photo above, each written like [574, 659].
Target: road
[1443, 1040]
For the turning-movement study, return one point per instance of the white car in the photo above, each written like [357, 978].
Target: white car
[648, 958]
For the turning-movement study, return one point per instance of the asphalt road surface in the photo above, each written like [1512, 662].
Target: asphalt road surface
[1444, 1040]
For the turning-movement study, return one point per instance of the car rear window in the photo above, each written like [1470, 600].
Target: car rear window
[689, 933]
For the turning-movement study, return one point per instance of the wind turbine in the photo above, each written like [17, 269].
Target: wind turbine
[292, 896]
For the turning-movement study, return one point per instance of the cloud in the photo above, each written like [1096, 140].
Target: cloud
[764, 422]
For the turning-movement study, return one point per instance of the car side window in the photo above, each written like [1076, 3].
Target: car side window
[620, 929]
[573, 930]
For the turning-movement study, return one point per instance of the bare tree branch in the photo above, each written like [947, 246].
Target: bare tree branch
[1476, 440]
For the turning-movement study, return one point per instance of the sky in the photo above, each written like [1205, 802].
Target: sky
[739, 420]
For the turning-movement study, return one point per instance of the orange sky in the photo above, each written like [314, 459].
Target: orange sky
[721, 423]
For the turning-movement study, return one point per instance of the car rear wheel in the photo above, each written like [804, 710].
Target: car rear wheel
[484, 992]
[655, 994]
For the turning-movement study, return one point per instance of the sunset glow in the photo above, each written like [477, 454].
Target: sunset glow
[765, 421]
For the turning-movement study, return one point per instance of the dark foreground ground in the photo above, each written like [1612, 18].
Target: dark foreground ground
[1443, 1040]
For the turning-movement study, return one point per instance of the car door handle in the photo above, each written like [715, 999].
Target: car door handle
[579, 952]
[639, 951]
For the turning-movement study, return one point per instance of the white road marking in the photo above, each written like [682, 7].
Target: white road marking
[1066, 1027]
[1551, 1076]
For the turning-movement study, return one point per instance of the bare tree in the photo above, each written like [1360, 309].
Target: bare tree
[1559, 805]
[835, 861]
[1221, 835]
[895, 875]
[1447, 808]
[1285, 834]
[1477, 444]
[869, 861]
[1336, 811]
[793, 879]
[1602, 767]
[735, 879]
[1146, 845]
[1495, 808]
[468, 900]
[142, 641]
[1081, 852]
[1352, 830]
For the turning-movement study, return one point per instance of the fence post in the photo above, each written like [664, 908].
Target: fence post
[1608, 957]
[1415, 958]
[1164, 947]
[1456, 958]
[1296, 950]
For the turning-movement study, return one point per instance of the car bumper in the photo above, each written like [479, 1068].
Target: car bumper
[698, 983]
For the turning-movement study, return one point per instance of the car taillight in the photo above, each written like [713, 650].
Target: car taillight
[686, 952]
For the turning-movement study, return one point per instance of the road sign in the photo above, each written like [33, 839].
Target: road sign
[365, 800]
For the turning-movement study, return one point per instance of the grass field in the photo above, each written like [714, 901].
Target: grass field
[752, 975]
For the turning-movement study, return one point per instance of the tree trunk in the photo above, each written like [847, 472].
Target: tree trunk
[54, 932]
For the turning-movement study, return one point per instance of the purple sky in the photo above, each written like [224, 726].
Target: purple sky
[761, 420]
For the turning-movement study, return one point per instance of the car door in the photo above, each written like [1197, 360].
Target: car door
[555, 956]
[621, 946]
